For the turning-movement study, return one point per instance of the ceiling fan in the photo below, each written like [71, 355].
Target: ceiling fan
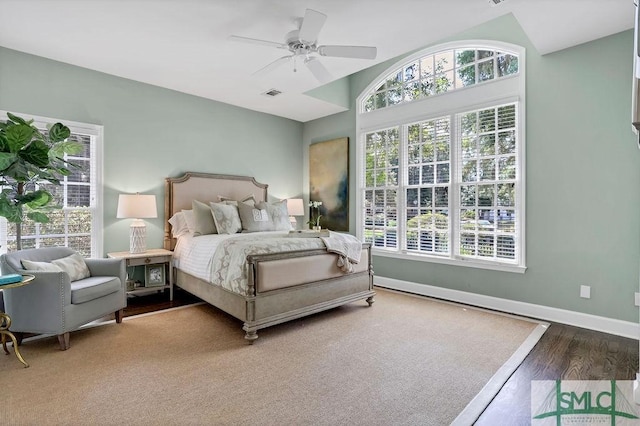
[302, 44]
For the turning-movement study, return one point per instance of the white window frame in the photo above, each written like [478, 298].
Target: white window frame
[508, 89]
[97, 151]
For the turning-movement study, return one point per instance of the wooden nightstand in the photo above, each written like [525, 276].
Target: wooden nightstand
[149, 258]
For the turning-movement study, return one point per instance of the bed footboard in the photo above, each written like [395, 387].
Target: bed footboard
[273, 302]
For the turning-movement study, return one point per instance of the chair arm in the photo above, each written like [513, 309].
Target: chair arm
[40, 301]
[108, 268]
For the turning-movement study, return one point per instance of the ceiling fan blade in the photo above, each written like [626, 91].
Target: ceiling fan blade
[257, 41]
[318, 70]
[273, 65]
[357, 52]
[311, 25]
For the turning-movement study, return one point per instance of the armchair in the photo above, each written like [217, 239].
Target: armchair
[52, 303]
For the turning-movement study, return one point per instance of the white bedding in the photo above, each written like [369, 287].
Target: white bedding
[194, 255]
[220, 259]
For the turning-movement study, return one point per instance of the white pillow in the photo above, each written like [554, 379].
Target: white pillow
[178, 225]
[190, 220]
[30, 265]
[249, 199]
[226, 218]
[73, 265]
[254, 219]
[278, 213]
[203, 219]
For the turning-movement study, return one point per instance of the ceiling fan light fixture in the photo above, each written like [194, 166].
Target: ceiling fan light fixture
[302, 44]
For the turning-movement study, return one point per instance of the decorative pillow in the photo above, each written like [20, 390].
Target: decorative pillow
[204, 223]
[178, 225]
[226, 218]
[254, 219]
[190, 220]
[278, 213]
[30, 265]
[249, 199]
[73, 265]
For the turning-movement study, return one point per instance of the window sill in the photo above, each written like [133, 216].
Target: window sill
[468, 263]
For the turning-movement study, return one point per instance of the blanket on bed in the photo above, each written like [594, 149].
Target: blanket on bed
[229, 265]
[347, 247]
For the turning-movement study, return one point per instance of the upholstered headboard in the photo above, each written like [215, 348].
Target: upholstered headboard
[180, 191]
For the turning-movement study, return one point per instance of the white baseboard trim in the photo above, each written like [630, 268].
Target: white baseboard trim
[578, 319]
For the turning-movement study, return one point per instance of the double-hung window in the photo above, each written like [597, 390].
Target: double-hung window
[76, 221]
[441, 157]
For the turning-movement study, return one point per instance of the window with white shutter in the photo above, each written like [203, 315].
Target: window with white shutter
[78, 221]
[442, 171]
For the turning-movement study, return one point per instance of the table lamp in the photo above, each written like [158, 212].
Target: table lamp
[137, 207]
[295, 207]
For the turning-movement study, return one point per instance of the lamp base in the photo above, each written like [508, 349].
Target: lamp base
[137, 237]
[294, 222]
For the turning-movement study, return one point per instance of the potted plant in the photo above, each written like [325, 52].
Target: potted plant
[28, 157]
[314, 220]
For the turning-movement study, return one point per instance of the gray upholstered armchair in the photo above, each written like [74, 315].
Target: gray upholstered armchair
[52, 303]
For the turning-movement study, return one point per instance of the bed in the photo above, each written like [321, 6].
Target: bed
[280, 286]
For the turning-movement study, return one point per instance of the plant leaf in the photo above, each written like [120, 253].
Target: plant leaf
[65, 147]
[18, 120]
[38, 217]
[36, 153]
[6, 159]
[35, 199]
[13, 213]
[59, 132]
[18, 136]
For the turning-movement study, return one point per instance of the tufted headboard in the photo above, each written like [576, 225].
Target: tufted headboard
[180, 191]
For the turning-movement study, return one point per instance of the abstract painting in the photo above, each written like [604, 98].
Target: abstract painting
[329, 182]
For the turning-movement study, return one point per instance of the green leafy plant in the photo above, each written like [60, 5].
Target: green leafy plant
[29, 157]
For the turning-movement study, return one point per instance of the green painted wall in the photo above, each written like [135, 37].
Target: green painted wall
[583, 171]
[583, 166]
[151, 133]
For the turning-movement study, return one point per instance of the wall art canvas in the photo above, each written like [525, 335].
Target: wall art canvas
[329, 182]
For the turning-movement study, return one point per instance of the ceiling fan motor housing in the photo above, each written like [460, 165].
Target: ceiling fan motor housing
[297, 46]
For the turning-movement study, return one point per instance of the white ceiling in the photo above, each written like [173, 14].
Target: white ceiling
[182, 44]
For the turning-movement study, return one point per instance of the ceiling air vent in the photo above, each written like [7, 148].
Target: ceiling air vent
[272, 92]
[496, 2]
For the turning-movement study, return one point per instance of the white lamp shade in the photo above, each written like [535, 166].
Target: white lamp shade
[137, 206]
[295, 206]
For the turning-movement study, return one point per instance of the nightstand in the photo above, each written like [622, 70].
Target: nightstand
[154, 277]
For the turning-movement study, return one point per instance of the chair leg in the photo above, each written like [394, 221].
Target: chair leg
[119, 315]
[63, 339]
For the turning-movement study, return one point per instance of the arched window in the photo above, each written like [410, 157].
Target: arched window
[441, 72]
[441, 157]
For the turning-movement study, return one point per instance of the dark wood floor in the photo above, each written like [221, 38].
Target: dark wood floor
[564, 352]
[156, 301]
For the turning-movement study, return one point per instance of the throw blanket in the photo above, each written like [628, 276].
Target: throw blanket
[346, 246]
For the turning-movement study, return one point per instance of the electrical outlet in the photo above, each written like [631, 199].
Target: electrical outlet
[585, 291]
[637, 299]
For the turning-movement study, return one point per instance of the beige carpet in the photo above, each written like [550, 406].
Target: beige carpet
[406, 360]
